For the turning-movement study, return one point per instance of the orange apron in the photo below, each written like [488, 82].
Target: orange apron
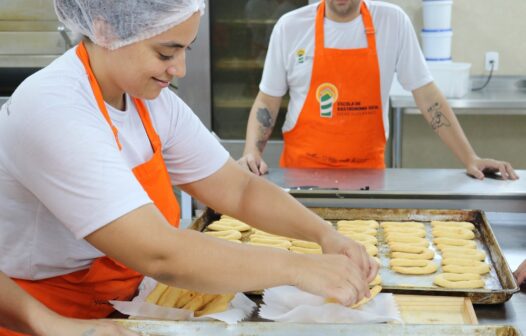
[341, 122]
[85, 293]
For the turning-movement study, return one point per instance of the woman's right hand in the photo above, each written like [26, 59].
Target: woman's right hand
[331, 276]
[74, 327]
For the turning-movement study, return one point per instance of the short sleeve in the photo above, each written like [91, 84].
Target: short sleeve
[274, 78]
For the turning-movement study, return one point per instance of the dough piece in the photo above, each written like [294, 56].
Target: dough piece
[225, 225]
[405, 230]
[405, 234]
[462, 262]
[426, 255]
[269, 241]
[305, 250]
[374, 291]
[305, 244]
[454, 242]
[361, 237]
[376, 281]
[476, 255]
[228, 234]
[443, 247]
[409, 240]
[399, 247]
[408, 262]
[358, 229]
[457, 233]
[465, 225]
[354, 223]
[370, 249]
[453, 280]
[481, 268]
[431, 267]
[414, 225]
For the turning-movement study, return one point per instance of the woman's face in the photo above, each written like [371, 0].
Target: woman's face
[144, 68]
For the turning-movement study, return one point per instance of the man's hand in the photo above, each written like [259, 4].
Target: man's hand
[254, 163]
[335, 243]
[478, 167]
[520, 273]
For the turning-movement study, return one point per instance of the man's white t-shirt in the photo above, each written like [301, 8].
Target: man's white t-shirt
[62, 176]
[396, 43]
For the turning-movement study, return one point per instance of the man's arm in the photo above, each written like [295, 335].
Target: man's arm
[440, 116]
[261, 122]
[144, 241]
[22, 313]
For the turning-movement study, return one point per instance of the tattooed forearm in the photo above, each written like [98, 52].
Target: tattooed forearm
[438, 119]
[265, 125]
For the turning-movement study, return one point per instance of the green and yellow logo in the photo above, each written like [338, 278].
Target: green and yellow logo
[301, 55]
[327, 95]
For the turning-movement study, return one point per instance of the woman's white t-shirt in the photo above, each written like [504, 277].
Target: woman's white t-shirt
[396, 43]
[62, 175]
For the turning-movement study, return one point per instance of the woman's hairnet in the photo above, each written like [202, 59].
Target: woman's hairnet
[115, 23]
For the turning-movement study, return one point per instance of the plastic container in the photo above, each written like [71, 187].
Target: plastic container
[437, 14]
[452, 78]
[436, 44]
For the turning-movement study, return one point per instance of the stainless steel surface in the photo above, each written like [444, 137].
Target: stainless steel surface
[3, 100]
[305, 329]
[401, 188]
[502, 96]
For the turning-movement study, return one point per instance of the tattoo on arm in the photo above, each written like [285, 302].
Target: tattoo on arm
[265, 126]
[438, 119]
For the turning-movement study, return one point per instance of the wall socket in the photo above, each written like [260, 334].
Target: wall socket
[492, 56]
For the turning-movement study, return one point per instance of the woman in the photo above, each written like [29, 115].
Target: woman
[90, 147]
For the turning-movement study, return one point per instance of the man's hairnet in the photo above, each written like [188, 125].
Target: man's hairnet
[115, 23]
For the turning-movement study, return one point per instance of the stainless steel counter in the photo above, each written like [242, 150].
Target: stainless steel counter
[501, 96]
[402, 188]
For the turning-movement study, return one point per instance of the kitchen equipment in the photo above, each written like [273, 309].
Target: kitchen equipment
[436, 44]
[437, 14]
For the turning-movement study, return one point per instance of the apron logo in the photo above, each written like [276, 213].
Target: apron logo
[327, 95]
[301, 55]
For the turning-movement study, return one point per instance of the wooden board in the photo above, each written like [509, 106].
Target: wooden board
[424, 309]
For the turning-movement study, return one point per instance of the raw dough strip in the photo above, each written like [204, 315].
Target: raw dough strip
[305, 250]
[363, 230]
[358, 223]
[465, 225]
[414, 233]
[462, 262]
[479, 269]
[219, 226]
[409, 262]
[454, 242]
[447, 281]
[361, 237]
[228, 234]
[404, 230]
[426, 255]
[443, 247]
[374, 291]
[376, 281]
[414, 225]
[398, 247]
[457, 233]
[430, 268]
[409, 240]
[479, 256]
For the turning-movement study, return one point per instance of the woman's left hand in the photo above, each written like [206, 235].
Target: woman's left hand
[335, 243]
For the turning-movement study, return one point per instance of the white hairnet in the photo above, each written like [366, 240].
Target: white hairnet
[115, 23]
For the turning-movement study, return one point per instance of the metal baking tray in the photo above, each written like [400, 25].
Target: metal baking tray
[198, 328]
[500, 283]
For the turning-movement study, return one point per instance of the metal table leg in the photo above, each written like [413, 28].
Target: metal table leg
[396, 144]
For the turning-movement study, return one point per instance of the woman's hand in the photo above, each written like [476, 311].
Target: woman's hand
[520, 273]
[335, 243]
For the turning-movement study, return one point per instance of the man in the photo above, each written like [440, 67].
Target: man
[337, 59]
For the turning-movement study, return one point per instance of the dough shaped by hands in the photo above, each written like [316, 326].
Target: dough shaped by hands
[481, 268]
[405, 230]
[427, 255]
[414, 225]
[409, 240]
[457, 233]
[454, 280]
[407, 248]
[431, 267]
[358, 223]
[474, 255]
[455, 242]
[449, 224]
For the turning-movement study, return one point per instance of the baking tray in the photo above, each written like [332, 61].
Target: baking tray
[202, 328]
[500, 283]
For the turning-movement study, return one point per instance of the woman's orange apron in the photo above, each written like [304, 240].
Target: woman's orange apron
[341, 123]
[85, 293]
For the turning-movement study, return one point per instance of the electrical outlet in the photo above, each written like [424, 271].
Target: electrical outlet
[492, 56]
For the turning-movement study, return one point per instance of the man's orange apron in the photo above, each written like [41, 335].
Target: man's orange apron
[340, 124]
[85, 293]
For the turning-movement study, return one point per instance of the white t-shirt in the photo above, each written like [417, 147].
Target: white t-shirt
[396, 44]
[62, 176]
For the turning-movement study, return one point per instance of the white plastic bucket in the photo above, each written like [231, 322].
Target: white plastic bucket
[436, 44]
[437, 14]
[452, 78]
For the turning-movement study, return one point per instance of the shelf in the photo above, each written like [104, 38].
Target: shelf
[239, 64]
[240, 103]
[248, 22]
